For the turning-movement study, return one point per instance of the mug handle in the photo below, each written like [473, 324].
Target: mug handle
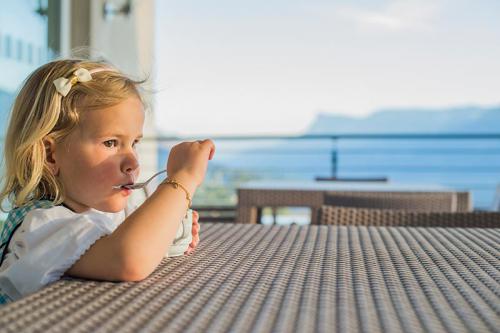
[186, 230]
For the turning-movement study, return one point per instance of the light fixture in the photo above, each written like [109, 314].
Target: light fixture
[110, 10]
[42, 8]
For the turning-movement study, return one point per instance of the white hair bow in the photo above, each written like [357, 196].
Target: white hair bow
[63, 85]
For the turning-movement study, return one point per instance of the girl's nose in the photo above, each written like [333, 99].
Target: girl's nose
[130, 164]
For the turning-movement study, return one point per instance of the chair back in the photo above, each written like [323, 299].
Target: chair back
[329, 215]
[414, 201]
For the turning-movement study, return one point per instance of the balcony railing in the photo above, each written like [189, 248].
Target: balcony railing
[465, 162]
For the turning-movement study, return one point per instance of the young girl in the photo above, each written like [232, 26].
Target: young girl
[69, 146]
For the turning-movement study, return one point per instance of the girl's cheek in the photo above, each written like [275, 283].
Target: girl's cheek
[109, 169]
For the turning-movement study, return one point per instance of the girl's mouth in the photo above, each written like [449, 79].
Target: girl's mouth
[125, 191]
[122, 186]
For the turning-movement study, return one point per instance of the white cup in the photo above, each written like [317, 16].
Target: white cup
[183, 237]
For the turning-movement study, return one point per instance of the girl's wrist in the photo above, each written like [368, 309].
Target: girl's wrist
[185, 181]
[176, 185]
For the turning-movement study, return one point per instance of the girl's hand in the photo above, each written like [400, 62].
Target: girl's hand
[188, 162]
[195, 231]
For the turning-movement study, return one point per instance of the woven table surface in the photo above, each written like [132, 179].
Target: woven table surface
[256, 278]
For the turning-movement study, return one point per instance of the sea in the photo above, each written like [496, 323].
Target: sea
[462, 164]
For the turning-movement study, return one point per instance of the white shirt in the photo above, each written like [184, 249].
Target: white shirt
[48, 243]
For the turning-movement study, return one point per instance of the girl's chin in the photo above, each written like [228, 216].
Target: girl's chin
[113, 206]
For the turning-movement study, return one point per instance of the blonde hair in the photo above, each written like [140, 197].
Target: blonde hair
[40, 111]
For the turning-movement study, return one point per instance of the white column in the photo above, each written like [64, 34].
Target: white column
[127, 41]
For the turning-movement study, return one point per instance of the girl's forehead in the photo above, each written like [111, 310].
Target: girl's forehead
[127, 118]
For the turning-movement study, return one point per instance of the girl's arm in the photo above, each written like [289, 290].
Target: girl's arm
[138, 245]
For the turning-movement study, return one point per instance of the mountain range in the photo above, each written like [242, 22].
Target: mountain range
[461, 119]
[464, 119]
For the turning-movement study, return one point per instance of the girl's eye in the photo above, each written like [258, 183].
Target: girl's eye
[136, 142]
[110, 143]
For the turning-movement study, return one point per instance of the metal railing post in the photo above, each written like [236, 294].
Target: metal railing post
[334, 158]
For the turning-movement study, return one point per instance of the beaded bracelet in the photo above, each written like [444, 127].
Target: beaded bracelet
[176, 185]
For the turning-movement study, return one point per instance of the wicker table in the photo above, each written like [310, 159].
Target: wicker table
[253, 196]
[257, 278]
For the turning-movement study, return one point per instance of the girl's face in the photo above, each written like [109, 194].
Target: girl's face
[99, 154]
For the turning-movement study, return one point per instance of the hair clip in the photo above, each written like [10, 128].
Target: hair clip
[63, 85]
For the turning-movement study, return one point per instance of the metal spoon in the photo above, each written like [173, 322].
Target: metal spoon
[139, 185]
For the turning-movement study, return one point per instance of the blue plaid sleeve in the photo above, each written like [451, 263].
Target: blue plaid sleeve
[4, 299]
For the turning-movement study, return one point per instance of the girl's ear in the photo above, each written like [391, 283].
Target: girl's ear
[50, 148]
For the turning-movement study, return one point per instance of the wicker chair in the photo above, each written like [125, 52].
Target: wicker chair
[388, 217]
[414, 201]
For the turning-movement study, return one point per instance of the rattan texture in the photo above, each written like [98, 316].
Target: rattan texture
[251, 200]
[331, 215]
[414, 201]
[257, 278]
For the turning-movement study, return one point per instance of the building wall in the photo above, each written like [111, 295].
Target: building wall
[127, 41]
[22, 47]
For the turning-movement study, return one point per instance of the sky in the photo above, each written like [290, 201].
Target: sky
[226, 67]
